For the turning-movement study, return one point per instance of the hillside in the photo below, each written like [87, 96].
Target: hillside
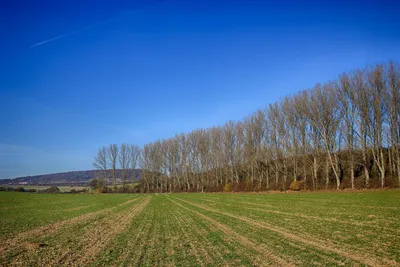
[63, 178]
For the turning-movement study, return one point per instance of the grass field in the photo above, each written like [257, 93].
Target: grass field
[303, 229]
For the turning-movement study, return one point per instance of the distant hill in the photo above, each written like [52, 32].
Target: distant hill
[64, 178]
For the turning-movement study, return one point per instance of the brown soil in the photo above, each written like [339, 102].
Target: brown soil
[96, 239]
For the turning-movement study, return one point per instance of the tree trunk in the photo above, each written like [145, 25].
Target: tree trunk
[398, 164]
[391, 162]
[382, 168]
[336, 171]
[397, 147]
[276, 174]
[284, 174]
[315, 173]
[352, 171]
[327, 171]
[304, 171]
[366, 167]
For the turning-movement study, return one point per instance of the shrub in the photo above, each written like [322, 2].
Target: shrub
[249, 186]
[105, 189]
[94, 183]
[239, 187]
[227, 188]
[51, 190]
[30, 190]
[128, 188]
[296, 185]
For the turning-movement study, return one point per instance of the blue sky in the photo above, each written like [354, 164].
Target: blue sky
[76, 76]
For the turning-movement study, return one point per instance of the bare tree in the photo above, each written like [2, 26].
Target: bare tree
[377, 89]
[229, 150]
[113, 157]
[393, 102]
[345, 96]
[276, 140]
[327, 133]
[293, 133]
[100, 163]
[145, 165]
[123, 159]
[239, 149]
[174, 162]
[362, 102]
[204, 146]
[303, 127]
[134, 154]
[324, 116]
[217, 153]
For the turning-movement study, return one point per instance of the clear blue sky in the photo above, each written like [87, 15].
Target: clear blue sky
[76, 76]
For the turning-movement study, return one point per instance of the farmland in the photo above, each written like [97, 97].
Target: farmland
[284, 229]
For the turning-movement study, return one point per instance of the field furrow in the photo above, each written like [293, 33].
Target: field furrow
[292, 252]
[242, 239]
[218, 247]
[310, 229]
[33, 211]
[97, 238]
[52, 229]
[360, 237]
[248, 205]
[50, 245]
[308, 240]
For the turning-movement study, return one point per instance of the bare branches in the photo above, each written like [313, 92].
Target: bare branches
[123, 159]
[133, 160]
[343, 133]
[113, 156]
[100, 162]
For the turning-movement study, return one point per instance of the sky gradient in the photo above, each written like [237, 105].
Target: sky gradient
[76, 76]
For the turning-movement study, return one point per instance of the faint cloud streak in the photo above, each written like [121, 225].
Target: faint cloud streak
[73, 32]
[92, 26]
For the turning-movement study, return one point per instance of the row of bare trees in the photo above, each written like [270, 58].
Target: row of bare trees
[107, 160]
[341, 134]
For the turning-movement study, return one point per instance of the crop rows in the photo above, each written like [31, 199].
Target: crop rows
[202, 229]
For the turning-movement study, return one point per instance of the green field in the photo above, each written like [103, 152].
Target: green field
[285, 229]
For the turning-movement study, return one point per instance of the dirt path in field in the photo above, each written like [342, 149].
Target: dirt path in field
[79, 208]
[213, 251]
[202, 248]
[311, 241]
[51, 229]
[242, 239]
[95, 240]
[134, 244]
[127, 202]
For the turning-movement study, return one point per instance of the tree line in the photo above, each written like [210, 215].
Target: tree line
[340, 134]
[123, 159]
